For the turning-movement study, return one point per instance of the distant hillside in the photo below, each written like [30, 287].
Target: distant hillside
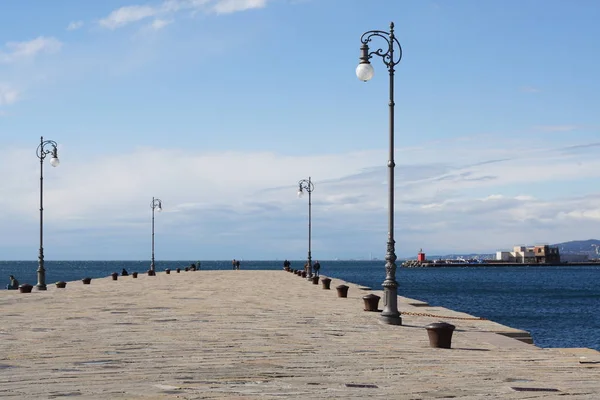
[579, 247]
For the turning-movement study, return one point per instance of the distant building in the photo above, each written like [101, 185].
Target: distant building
[530, 255]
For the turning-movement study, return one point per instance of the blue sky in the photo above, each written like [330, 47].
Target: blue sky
[219, 108]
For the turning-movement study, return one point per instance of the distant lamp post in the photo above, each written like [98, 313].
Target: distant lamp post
[45, 148]
[364, 72]
[306, 184]
[155, 205]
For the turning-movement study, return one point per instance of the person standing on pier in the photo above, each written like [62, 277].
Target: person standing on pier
[233, 264]
[237, 264]
[316, 268]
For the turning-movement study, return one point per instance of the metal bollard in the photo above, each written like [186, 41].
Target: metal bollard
[178, 270]
[167, 271]
[86, 281]
[315, 280]
[371, 302]
[115, 276]
[134, 274]
[342, 291]
[61, 284]
[440, 334]
[25, 288]
[151, 273]
[326, 283]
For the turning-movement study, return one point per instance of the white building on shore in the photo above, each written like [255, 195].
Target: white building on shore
[543, 254]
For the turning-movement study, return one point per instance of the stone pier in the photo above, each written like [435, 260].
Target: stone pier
[263, 335]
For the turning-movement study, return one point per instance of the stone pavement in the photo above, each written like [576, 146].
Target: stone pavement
[262, 335]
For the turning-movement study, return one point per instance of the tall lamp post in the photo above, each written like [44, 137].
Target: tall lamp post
[45, 148]
[364, 72]
[306, 184]
[155, 205]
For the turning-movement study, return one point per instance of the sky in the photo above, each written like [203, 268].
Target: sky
[220, 107]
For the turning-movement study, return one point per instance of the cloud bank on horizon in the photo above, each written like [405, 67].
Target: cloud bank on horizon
[219, 108]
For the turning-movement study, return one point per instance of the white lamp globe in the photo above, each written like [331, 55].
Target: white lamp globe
[364, 71]
[54, 161]
[300, 193]
[159, 209]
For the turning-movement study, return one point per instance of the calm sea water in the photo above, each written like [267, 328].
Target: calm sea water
[558, 305]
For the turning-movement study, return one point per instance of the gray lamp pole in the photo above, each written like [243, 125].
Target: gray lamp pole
[364, 72]
[42, 152]
[155, 205]
[306, 184]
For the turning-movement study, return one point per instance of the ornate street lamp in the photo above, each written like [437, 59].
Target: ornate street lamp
[155, 205]
[42, 152]
[306, 184]
[364, 72]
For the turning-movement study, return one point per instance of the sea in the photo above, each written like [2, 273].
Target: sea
[558, 305]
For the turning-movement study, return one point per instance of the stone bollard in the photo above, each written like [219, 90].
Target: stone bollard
[61, 284]
[371, 302]
[151, 273]
[342, 291]
[326, 282]
[167, 271]
[315, 280]
[115, 276]
[178, 270]
[25, 288]
[440, 334]
[86, 281]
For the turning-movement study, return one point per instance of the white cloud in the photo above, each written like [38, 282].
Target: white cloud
[74, 25]
[24, 50]
[158, 24]
[251, 197]
[8, 95]
[126, 15]
[165, 12]
[231, 6]
[557, 128]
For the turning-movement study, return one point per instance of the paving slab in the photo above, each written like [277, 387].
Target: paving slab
[262, 335]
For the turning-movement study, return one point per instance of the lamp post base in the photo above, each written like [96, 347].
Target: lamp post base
[391, 319]
[390, 314]
[41, 275]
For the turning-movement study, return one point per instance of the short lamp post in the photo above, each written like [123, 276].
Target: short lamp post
[306, 184]
[155, 205]
[364, 72]
[46, 147]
